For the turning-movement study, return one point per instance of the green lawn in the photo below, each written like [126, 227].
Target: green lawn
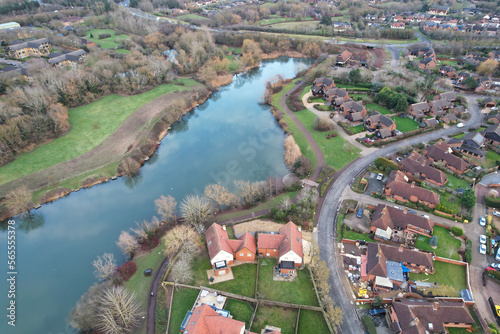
[353, 87]
[447, 245]
[358, 97]
[448, 62]
[491, 158]
[123, 51]
[405, 124]
[277, 317]
[380, 109]
[182, 302]
[240, 310]
[140, 284]
[311, 25]
[315, 99]
[161, 315]
[356, 236]
[90, 125]
[450, 202]
[357, 128]
[446, 273]
[106, 43]
[455, 183]
[301, 291]
[312, 322]
[242, 284]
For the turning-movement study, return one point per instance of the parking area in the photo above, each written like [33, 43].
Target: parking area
[374, 185]
[360, 224]
[379, 321]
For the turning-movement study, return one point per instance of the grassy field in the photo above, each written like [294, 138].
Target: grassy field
[90, 125]
[182, 302]
[455, 183]
[260, 207]
[405, 124]
[161, 312]
[140, 284]
[312, 322]
[242, 284]
[447, 245]
[306, 25]
[491, 158]
[299, 292]
[377, 41]
[357, 128]
[448, 62]
[123, 51]
[450, 202]
[275, 316]
[361, 89]
[105, 43]
[446, 274]
[356, 236]
[240, 310]
[380, 109]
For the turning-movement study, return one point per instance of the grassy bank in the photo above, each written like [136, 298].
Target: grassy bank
[90, 125]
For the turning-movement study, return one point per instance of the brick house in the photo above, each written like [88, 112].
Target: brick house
[223, 251]
[442, 152]
[398, 25]
[397, 187]
[286, 245]
[448, 96]
[492, 134]
[354, 112]
[336, 96]
[204, 320]
[422, 316]
[344, 57]
[382, 125]
[68, 59]
[439, 107]
[416, 166]
[428, 63]
[447, 71]
[387, 221]
[438, 11]
[417, 111]
[462, 75]
[36, 48]
[322, 85]
[489, 102]
[384, 265]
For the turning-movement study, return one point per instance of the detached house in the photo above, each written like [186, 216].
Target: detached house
[472, 143]
[337, 96]
[489, 102]
[439, 107]
[418, 111]
[447, 71]
[224, 251]
[322, 85]
[428, 63]
[205, 320]
[36, 48]
[382, 125]
[389, 223]
[354, 112]
[492, 135]
[422, 316]
[285, 245]
[416, 166]
[398, 25]
[344, 57]
[68, 59]
[442, 152]
[397, 187]
[448, 96]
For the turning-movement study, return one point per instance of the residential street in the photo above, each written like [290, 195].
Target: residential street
[340, 292]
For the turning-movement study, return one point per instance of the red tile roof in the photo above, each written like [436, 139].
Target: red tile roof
[248, 242]
[206, 321]
[292, 241]
[269, 241]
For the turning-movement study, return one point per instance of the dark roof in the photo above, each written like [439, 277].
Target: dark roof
[438, 154]
[412, 166]
[387, 216]
[287, 265]
[399, 187]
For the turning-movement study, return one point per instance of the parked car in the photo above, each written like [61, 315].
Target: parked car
[380, 176]
[360, 213]
[486, 211]
[482, 221]
[460, 125]
[399, 159]
[495, 265]
[482, 249]
[496, 213]
[377, 311]
[412, 211]
[482, 239]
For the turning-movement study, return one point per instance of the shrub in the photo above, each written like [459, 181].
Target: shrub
[381, 161]
[434, 241]
[492, 201]
[126, 270]
[292, 151]
[129, 167]
[468, 251]
[103, 36]
[369, 324]
[457, 231]
[302, 167]
[323, 124]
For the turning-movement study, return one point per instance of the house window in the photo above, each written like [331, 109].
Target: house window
[267, 254]
[241, 254]
[291, 272]
[249, 254]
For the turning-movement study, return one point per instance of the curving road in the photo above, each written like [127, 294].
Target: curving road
[340, 291]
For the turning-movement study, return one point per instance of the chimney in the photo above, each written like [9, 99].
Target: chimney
[413, 184]
[299, 229]
[401, 248]
[224, 227]
[405, 211]
[435, 306]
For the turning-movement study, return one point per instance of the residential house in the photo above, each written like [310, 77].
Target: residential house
[431, 122]
[204, 319]
[354, 112]
[397, 187]
[442, 152]
[398, 25]
[86, 42]
[449, 118]
[461, 76]
[285, 245]
[398, 18]
[422, 316]
[447, 71]
[416, 166]
[337, 96]
[492, 134]
[448, 96]
[484, 83]
[442, 11]
[492, 119]
[36, 48]
[494, 55]
[322, 85]
[439, 107]
[423, 51]
[344, 57]
[428, 63]
[68, 59]
[382, 125]
[489, 102]
[223, 251]
[384, 266]
[417, 111]
[389, 223]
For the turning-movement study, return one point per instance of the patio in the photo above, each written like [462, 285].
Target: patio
[213, 279]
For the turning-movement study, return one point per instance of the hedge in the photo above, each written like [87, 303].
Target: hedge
[457, 231]
[381, 161]
[493, 202]
[369, 324]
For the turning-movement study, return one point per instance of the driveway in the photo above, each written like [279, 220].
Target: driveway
[374, 185]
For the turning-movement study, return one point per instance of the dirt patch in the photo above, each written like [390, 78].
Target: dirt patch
[380, 55]
[257, 225]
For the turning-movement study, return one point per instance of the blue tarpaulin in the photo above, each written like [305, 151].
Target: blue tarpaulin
[405, 270]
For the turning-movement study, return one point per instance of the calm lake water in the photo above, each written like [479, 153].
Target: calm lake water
[227, 138]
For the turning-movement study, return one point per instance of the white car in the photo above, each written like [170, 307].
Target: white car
[482, 239]
[460, 125]
[495, 265]
[380, 176]
[482, 221]
[482, 249]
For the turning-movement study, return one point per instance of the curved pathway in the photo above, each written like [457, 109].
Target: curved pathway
[154, 295]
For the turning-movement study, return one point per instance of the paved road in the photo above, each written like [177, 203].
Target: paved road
[152, 300]
[327, 226]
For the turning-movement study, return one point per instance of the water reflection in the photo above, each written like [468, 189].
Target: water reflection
[133, 181]
[28, 223]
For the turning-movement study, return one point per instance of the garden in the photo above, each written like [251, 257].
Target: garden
[405, 124]
[111, 42]
[447, 245]
[446, 274]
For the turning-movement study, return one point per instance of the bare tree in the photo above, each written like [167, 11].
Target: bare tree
[127, 243]
[83, 316]
[334, 314]
[182, 270]
[251, 192]
[119, 312]
[105, 266]
[176, 237]
[196, 210]
[130, 167]
[142, 230]
[285, 204]
[166, 207]
[19, 200]
[220, 195]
